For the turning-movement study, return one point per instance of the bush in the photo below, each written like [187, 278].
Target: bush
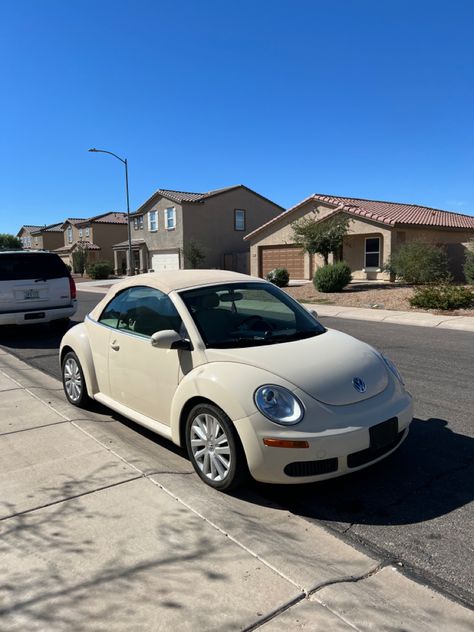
[100, 270]
[332, 278]
[443, 297]
[279, 277]
[469, 266]
[419, 263]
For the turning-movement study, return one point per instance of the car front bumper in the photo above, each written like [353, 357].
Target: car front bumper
[335, 449]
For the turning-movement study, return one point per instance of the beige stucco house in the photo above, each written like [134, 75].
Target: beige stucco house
[41, 237]
[216, 221]
[376, 229]
[95, 234]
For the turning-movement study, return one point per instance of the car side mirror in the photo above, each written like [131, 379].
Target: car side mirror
[314, 313]
[169, 339]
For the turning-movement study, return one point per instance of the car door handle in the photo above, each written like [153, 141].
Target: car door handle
[115, 345]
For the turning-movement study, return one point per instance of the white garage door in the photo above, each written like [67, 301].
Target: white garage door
[165, 261]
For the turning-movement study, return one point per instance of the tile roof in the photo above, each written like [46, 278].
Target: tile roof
[110, 217]
[74, 220]
[86, 245]
[389, 213]
[189, 197]
[124, 244]
[51, 228]
[29, 227]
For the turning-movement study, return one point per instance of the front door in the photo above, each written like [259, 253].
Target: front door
[142, 377]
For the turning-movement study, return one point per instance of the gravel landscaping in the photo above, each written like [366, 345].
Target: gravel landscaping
[374, 295]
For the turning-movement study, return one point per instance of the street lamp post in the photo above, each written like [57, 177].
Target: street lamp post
[130, 269]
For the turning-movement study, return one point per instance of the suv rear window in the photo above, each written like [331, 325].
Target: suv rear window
[31, 265]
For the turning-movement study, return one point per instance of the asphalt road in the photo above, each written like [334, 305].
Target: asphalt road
[416, 507]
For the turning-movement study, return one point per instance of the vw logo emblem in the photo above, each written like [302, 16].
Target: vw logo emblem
[359, 384]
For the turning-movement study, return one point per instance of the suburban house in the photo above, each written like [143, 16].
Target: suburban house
[95, 234]
[41, 237]
[215, 221]
[375, 231]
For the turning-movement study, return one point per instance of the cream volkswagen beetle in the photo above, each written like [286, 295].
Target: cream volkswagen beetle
[241, 374]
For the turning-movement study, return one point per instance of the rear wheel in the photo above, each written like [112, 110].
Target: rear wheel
[214, 448]
[73, 380]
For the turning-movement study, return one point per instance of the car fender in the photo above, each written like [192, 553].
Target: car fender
[77, 339]
[229, 385]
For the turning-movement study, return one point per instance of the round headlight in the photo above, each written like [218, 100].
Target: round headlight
[393, 368]
[279, 404]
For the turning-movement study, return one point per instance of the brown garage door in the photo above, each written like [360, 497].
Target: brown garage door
[289, 257]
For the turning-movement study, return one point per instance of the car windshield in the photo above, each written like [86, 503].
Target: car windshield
[247, 315]
[31, 265]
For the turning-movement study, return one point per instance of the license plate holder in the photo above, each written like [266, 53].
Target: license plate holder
[31, 294]
[384, 433]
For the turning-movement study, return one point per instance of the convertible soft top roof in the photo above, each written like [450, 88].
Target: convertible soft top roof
[171, 280]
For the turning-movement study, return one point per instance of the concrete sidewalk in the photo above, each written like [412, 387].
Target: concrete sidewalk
[97, 534]
[421, 319]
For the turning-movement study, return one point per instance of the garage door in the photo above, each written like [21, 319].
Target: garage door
[165, 261]
[289, 257]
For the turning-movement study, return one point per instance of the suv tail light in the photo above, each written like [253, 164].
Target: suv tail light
[72, 287]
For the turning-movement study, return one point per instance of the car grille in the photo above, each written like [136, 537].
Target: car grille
[311, 468]
[356, 459]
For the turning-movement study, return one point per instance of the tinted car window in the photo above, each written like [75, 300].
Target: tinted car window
[143, 311]
[31, 265]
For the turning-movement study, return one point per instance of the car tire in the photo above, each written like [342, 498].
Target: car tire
[74, 383]
[214, 448]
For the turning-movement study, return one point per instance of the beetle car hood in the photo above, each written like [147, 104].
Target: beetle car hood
[332, 367]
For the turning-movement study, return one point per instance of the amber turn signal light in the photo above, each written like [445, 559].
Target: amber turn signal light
[284, 443]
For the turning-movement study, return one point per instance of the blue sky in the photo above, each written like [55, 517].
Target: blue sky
[365, 98]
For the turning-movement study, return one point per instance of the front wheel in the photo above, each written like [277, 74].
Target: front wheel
[73, 380]
[214, 448]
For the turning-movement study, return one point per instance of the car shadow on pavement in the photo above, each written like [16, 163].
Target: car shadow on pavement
[40, 336]
[430, 475]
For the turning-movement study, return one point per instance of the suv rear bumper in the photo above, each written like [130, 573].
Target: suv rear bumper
[32, 316]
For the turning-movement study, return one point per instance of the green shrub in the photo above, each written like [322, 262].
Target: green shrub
[279, 277]
[443, 297]
[469, 266]
[419, 262]
[332, 278]
[100, 270]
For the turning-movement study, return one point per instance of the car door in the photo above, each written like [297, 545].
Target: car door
[142, 377]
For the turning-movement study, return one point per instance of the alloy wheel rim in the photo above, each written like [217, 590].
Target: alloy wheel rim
[210, 447]
[72, 379]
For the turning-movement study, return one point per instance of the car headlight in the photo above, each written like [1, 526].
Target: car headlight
[392, 368]
[279, 404]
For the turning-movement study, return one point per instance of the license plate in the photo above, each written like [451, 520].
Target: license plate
[384, 433]
[35, 316]
[31, 294]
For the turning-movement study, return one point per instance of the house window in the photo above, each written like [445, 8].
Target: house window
[153, 221]
[372, 252]
[80, 233]
[69, 234]
[170, 218]
[239, 219]
[88, 231]
[138, 222]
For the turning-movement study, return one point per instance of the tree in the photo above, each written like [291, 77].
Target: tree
[194, 253]
[469, 264]
[321, 237]
[9, 241]
[80, 259]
